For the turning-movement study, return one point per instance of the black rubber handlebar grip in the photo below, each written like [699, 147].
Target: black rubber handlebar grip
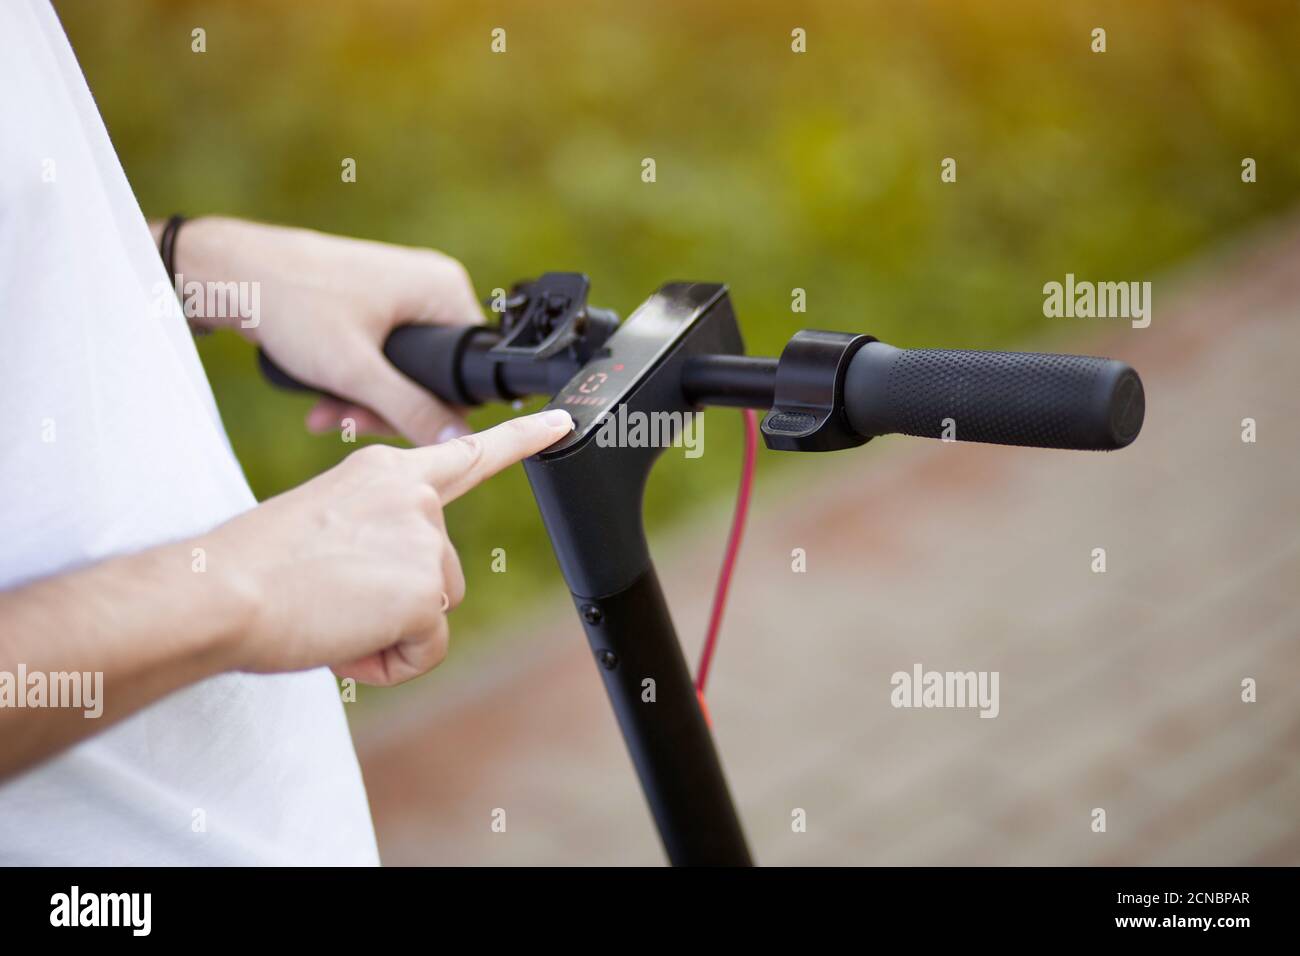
[427, 354]
[1005, 398]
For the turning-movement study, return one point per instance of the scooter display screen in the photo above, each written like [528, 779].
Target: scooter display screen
[607, 380]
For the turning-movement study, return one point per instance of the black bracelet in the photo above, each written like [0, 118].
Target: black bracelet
[167, 245]
[167, 249]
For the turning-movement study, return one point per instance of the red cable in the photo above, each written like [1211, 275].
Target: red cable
[729, 559]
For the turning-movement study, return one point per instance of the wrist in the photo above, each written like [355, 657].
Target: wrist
[214, 291]
[215, 593]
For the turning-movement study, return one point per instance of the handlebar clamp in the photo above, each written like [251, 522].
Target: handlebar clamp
[549, 315]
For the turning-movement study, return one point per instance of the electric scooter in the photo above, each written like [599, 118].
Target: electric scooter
[679, 351]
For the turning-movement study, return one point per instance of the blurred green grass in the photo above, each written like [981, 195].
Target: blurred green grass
[775, 170]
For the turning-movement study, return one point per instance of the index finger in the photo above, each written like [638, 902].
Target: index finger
[456, 466]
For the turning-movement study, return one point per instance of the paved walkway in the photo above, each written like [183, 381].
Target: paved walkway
[1118, 690]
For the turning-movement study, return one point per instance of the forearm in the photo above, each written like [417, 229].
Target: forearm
[210, 248]
[148, 623]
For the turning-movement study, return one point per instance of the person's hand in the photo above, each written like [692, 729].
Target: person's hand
[325, 306]
[354, 569]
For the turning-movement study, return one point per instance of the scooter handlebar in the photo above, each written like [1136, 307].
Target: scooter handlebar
[1005, 398]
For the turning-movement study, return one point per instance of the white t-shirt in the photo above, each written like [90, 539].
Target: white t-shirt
[110, 442]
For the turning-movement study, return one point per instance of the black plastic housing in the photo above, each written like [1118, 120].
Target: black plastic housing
[590, 496]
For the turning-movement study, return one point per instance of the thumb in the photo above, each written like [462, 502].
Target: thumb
[455, 467]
